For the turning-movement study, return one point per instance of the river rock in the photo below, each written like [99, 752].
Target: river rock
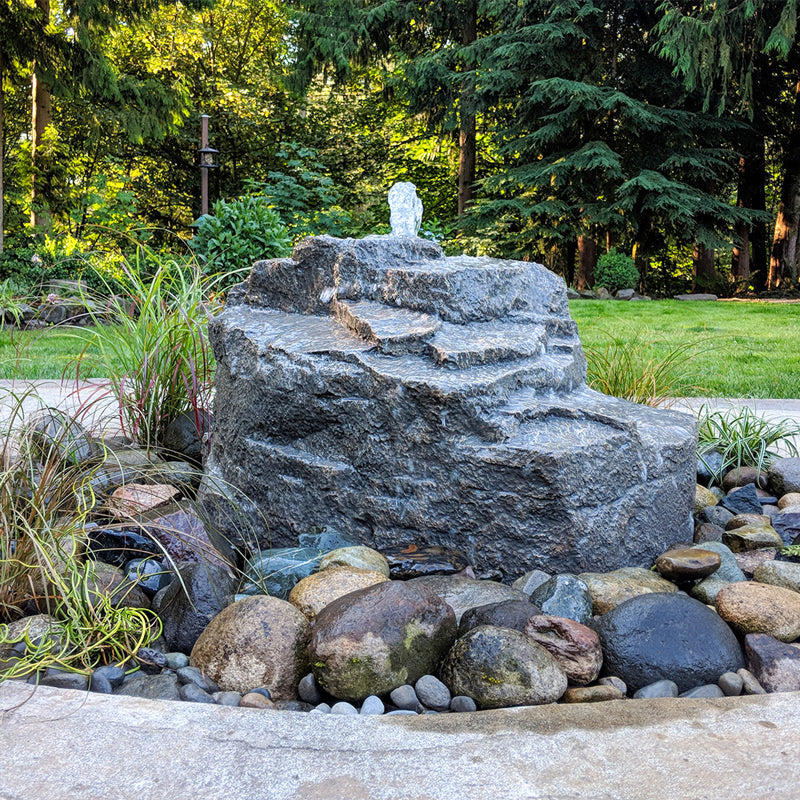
[707, 532]
[127, 502]
[52, 433]
[184, 436]
[779, 573]
[575, 647]
[116, 546]
[414, 561]
[783, 476]
[592, 694]
[376, 639]
[432, 693]
[508, 614]
[709, 466]
[749, 537]
[666, 637]
[564, 596]
[182, 534]
[501, 667]
[687, 563]
[744, 500]
[152, 687]
[258, 642]
[716, 515]
[789, 500]
[760, 608]
[703, 498]
[103, 580]
[401, 393]
[787, 524]
[530, 581]
[316, 591]
[747, 520]
[751, 560]
[187, 605]
[776, 665]
[278, 571]
[741, 476]
[729, 572]
[609, 589]
[358, 557]
[462, 593]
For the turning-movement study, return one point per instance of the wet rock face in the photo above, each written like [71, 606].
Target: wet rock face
[378, 387]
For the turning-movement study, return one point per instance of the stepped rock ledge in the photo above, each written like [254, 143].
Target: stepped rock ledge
[379, 388]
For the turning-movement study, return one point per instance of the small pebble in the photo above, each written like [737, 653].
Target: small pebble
[151, 661]
[308, 690]
[192, 693]
[613, 680]
[64, 680]
[322, 708]
[750, 684]
[403, 711]
[100, 684]
[461, 703]
[707, 690]
[176, 660]
[405, 698]
[372, 706]
[657, 689]
[344, 708]
[731, 684]
[432, 693]
[262, 690]
[256, 700]
[195, 676]
[227, 698]
[592, 694]
[113, 674]
[293, 705]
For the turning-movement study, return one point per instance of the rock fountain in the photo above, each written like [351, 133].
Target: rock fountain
[382, 389]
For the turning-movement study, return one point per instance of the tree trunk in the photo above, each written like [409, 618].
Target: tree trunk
[587, 258]
[2, 146]
[467, 133]
[789, 209]
[740, 262]
[40, 118]
[569, 262]
[704, 272]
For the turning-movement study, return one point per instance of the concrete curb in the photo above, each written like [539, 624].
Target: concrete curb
[64, 744]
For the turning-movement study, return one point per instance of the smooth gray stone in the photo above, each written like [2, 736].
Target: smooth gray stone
[343, 708]
[461, 704]
[100, 684]
[405, 697]
[731, 684]
[566, 596]
[613, 680]
[323, 708]
[432, 693]
[658, 689]
[152, 687]
[399, 712]
[372, 705]
[708, 690]
[227, 698]
[192, 693]
[176, 660]
[307, 689]
[750, 684]
[196, 676]
[64, 680]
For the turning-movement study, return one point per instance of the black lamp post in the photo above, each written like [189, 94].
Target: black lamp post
[206, 156]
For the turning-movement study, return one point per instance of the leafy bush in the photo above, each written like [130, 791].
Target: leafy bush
[744, 438]
[238, 233]
[615, 271]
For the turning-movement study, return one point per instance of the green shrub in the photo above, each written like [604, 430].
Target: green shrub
[615, 271]
[238, 233]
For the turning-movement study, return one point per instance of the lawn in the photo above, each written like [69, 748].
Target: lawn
[743, 349]
[740, 349]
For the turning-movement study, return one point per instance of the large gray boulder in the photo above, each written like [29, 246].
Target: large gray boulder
[377, 386]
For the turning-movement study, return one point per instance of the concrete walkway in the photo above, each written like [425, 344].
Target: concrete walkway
[59, 744]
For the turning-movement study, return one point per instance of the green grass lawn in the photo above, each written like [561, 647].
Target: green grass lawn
[744, 349]
[50, 353]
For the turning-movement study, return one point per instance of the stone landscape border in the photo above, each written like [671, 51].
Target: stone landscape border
[59, 743]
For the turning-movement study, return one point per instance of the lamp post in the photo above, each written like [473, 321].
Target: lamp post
[206, 162]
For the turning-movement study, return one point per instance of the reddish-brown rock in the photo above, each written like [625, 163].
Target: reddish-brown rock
[575, 647]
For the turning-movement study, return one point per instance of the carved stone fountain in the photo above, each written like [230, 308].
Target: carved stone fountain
[379, 388]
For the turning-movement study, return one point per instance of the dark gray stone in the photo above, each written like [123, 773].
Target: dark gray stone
[716, 515]
[508, 614]
[787, 523]
[193, 693]
[461, 704]
[742, 501]
[404, 697]
[381, 388]
[152, 687]
[709, 467]
[432, 693]
[194, 675]
[64, 680]
[184, 436]
[149, 574]
[52, 433]
[666, 637]
[662, 688]
[308, 690]
[731, 684]
[227, 698]
[113, 674]
[151, 660]
[176, 660]
[784, 476]
[100, 684]
[276, 572]
[564, 596]
[293, 705]
[187, 605]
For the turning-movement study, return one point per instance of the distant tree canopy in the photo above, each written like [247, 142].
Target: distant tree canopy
[548, 130]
